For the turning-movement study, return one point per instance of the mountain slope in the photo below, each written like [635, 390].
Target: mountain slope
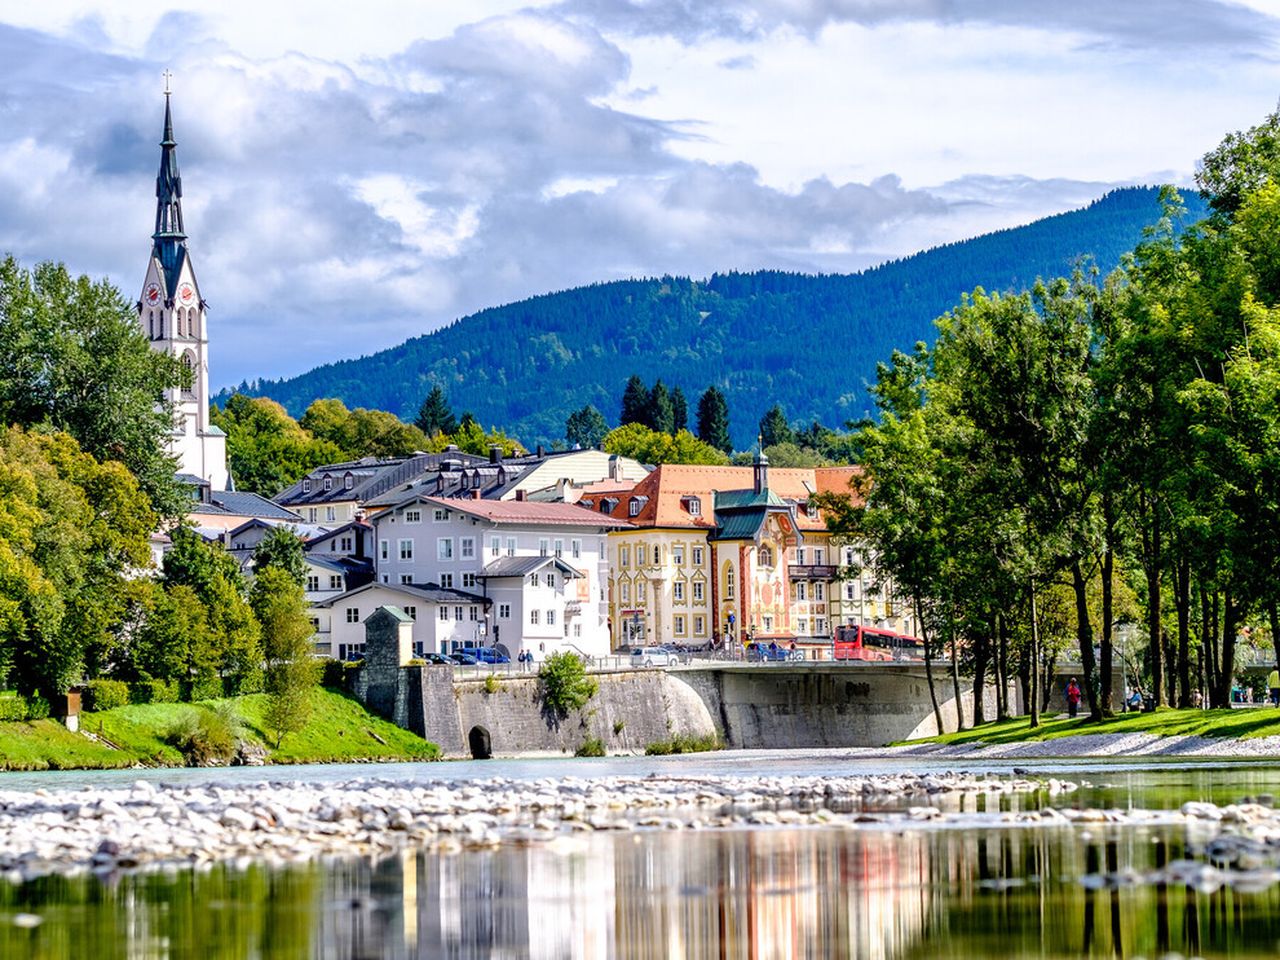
[810, 343]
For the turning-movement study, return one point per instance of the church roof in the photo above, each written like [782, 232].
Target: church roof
[170, 237]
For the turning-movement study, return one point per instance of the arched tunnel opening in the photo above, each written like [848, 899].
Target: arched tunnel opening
[481, 747]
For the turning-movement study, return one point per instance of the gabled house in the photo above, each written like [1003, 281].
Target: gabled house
[444, 621]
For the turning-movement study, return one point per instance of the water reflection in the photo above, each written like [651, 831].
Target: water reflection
[869, 893]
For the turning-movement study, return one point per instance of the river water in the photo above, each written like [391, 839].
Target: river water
[976, 889]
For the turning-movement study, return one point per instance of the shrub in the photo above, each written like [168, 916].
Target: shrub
[416, 662]
[619, 726]
[37, 707]
[202, 688]
[13, 707]
[336, 674]
[591, 747]
[492, 684]
[206, 736]
[565, 684]
[102, 695]
[153, 691]
[251, 681]
[684, 743]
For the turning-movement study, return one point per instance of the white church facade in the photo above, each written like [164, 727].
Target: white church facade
[173, 316]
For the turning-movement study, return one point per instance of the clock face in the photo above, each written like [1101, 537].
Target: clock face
[152, 295]
[185, 293]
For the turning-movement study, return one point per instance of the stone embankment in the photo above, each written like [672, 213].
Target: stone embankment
[105, 830]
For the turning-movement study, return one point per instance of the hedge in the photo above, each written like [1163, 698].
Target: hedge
[153, 691]
[202, 688]
[17, 707]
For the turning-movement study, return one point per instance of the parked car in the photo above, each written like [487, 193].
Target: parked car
[463, 659]
[489, 655]
[437, 659]
[767, 651]
[654, 657]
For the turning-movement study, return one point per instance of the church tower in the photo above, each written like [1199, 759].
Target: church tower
[172, 314]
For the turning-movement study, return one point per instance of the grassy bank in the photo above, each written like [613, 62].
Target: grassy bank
[339, 730]
[1241, 724]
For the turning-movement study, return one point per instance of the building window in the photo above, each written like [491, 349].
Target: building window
[311, 514]
[504, 611]
[677, 555]
[315, 624]
[697, 590]
[851, 590]
[551, 580]
[335, 581]
[551, 618]
[467, 547]
[444, 614]
[800, 555]
[413, 516]
[471, 613]
[384, 550]
[533, 579]
[542, 547]
[677, 591]
[386, 578]
[802, 627]
[406, 579]
[495, 546]
[351, 651]
[765, 556]
[306, 485]
[348, 482]
[624, 556]
[446, 580]
[313, 582]
[728, 583]
[634, 507]
[697, 556]
[328, 483]
[820, 626]
[444, 548]
[640, 592]
[575, 549]
[679, 624]
[802, 592]
[695, 506]
[559, 548]
[768, 624]
[468, 581]
[819, 556]
[699, 626]
[533, 617]
[820, 591]
[440, 515]
[625, 590]
[353, 614]
[848, 556]
[411, 611]
[406, 549]
[641, 555]
[330, 514]
[511, 546]
[577, 630]
[457, 614]
[348, 544]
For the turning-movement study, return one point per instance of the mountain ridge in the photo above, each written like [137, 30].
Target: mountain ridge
[763, 337]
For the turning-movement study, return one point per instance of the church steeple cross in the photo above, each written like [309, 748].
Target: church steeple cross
[167, 77]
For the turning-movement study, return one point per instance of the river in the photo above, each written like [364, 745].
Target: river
[972, 888]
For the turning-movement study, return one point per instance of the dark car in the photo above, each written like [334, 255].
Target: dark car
[489, 655]
[764, 651]
[438, 659]
[465, 659]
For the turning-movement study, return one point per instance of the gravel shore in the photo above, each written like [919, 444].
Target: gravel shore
[150, 826]
[1086, 745]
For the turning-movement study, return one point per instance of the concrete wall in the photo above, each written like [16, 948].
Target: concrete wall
[784, 705]
[647, 706]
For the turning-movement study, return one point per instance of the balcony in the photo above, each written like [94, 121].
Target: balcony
[821, 571]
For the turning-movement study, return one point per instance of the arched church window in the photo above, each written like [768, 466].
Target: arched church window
[151, 324]
[190, 389]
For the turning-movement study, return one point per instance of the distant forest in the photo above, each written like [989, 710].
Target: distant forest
[809, 343]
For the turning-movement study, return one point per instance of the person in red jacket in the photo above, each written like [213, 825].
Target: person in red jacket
[1073, 697]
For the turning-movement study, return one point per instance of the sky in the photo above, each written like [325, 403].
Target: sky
[357, 174]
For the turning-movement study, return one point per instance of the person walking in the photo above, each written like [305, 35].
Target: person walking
[1073, 698]
[1273, 687]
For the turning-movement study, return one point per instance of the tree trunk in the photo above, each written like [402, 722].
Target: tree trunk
[1208, 647]
[955, 675]
[1002, 668]
[981, 648]
[928, 667]
[1034, 701]
[1182, 601]
[1153, 610]
[1104, 677]
[1226, 672]
[1273, 615]
[1084, 635]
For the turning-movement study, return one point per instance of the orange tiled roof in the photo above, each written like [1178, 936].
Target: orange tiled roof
[668, 487]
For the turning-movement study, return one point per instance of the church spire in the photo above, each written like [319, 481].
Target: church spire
[170, 237]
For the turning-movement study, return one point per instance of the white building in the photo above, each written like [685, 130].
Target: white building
[542, 566]
[172, 314]
[444, 621]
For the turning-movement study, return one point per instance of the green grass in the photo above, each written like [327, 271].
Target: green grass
[339, 730]
[1165, 722]
[684, 743]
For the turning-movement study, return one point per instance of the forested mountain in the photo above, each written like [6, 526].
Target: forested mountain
[810, 343]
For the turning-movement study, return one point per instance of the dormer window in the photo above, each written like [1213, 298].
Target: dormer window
[693, 505]
[348, 482]
[635, 505]
[608, 504]
[811, 508]
[306, 485]
[328, 483]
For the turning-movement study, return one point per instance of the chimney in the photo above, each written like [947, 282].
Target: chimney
[451, 448]
[541, 452]
[475, 494]
[495, 453]
[521, 495]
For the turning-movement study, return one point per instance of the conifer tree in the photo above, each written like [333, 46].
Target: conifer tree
[635, 402]
[713, 420]
[586, 428]
[679, 411]
[661, 412]
[774, 428]
[434, 416]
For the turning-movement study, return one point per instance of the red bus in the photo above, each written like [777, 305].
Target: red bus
[873, 643]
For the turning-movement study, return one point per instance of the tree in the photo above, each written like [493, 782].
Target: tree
[434, 416]
[267, 450]
[73, 357]
[283, 549]
[661, 413]
[649, 446]
[292, 669]
[636, 403]
[1240, 165]
[586, 428]
[774, 428]
[173, 641]
[564, 682]
[713, 420]
[679, 411]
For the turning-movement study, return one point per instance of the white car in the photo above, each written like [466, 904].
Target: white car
[654, 657]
